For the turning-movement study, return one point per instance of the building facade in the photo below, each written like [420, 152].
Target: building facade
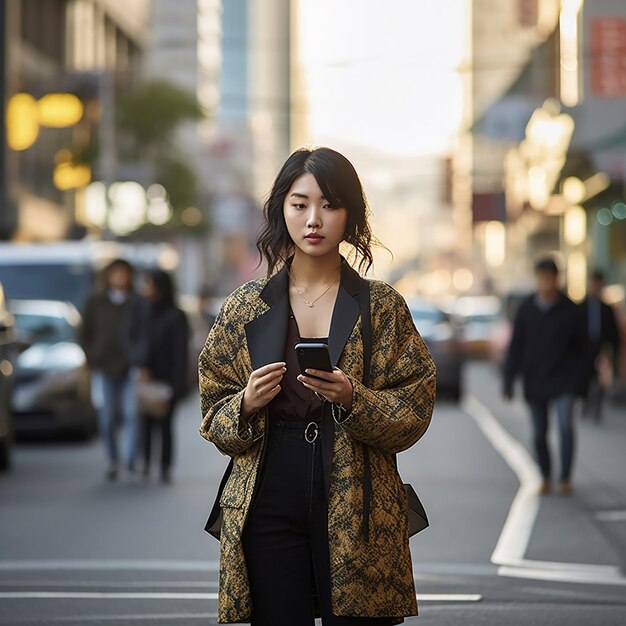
[60, 60]
[541, 168]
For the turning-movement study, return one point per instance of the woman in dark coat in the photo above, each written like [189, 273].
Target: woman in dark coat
[314, 499]
[166, 361]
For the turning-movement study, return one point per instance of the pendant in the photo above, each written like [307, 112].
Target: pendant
[310, 304]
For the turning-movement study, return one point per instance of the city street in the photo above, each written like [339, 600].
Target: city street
[77, 550]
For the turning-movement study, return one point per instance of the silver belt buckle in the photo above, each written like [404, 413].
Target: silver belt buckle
[310, 432]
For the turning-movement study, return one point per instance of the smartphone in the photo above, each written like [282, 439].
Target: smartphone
[313, 356]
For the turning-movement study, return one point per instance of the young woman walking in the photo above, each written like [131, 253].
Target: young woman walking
[315, 515]
[166, 361]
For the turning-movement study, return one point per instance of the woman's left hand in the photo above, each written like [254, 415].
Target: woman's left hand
[335, 386]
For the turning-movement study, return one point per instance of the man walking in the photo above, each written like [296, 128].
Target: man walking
[602, 337]
[546, 349]
[113, 340]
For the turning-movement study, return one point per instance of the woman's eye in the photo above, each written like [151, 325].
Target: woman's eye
[299, 206]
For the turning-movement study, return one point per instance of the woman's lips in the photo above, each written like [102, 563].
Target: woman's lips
[314, 239]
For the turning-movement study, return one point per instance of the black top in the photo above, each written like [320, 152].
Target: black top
[295, 402]
[547, 349]
[167, 346]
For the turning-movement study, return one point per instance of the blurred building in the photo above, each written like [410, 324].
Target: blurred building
[502, 36]
[235, 56]
[59, 62]
[551, 179]
[184, 49]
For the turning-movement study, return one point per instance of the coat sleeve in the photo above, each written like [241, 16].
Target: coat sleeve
[180, 350]
[85, 330]
[513, 360]
[223, 376]
[135, 332]
[396, 409]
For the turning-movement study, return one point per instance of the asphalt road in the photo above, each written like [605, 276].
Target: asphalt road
[77, 550]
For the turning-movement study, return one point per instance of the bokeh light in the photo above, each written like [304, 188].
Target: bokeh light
[619, 210]
[605, 216]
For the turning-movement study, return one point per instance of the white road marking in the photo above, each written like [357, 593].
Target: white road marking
[105, 564]
[138, 617]
[611, 516]
[105, 595]
[517, 530]
[73, 584]
[449, 597]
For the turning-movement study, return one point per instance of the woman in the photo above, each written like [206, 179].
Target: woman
[302, 531]
[166, 361]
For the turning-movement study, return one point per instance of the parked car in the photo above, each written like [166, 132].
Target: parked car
[52, 391]
[6, 383]
[477, 317]
[441, 337]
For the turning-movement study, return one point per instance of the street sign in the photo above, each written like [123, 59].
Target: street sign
[608, 57]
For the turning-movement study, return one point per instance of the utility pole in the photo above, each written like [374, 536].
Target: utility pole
[3, 141]
[108, 154]
[8, 216]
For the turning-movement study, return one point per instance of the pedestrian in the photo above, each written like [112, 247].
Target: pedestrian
[113, 343]
[546, 349]
[206, 306]
[166, 362]
[314, 499]
[602, 340]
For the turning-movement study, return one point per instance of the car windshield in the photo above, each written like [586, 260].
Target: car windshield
[67, 282]
[42, 328]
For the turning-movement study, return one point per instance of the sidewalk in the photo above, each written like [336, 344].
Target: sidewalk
[590, 526]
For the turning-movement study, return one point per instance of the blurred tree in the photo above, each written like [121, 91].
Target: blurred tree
[147, 120]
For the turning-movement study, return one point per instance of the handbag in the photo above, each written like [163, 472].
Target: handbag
[154, 398]
[213, 525]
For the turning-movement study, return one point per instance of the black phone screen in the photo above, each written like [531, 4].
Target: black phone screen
[313, 356]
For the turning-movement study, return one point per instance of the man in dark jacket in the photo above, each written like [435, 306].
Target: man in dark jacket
[602, 336]
[114, 342]
[547, 349]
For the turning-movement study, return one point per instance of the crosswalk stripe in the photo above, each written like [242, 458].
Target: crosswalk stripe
[157, 595]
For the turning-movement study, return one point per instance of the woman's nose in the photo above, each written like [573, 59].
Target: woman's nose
[314, 218]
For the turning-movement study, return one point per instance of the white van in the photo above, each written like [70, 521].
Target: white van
[67, 271]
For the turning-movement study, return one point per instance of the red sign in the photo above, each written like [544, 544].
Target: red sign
[608, 57]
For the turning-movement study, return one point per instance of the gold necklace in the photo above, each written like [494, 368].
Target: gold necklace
[312, 303]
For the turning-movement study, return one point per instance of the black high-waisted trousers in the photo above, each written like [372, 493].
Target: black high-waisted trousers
[286, 535]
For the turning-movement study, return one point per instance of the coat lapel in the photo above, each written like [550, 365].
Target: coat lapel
[345, 314]
[266, 334]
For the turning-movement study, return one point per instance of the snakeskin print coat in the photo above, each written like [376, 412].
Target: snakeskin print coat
[370, 578]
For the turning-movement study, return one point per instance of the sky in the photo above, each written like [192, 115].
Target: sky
[383, 74]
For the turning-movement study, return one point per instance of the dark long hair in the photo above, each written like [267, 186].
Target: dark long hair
[164, 287]
[340, 185]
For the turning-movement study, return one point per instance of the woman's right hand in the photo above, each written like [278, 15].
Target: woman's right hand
[263, 385]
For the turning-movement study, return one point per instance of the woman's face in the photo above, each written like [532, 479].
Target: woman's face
[315, 227]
